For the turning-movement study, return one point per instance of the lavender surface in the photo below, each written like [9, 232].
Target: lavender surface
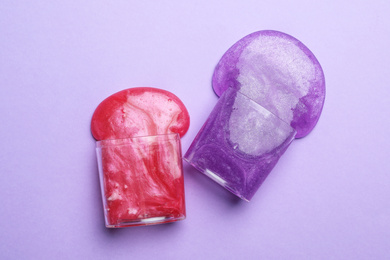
[327, 197]
[239, 144]
[278, 72]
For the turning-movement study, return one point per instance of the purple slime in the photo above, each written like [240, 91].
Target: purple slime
[272, 90]
[278, 72]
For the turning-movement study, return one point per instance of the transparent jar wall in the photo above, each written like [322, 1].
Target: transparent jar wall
[141, 180]
[239, 144]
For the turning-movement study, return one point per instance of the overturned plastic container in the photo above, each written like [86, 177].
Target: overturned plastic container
[239, 144]
[141, 180]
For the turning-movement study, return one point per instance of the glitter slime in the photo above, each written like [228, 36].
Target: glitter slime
[272, 90]
[139, 156]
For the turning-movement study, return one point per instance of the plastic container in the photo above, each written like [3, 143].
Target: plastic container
[239, 144]
[141, 180]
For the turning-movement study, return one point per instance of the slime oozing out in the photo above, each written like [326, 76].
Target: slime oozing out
[139, 112]
[278, 72]
[272, 90]
[139, 156]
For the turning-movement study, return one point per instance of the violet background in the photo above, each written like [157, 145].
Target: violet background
[327, 198]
